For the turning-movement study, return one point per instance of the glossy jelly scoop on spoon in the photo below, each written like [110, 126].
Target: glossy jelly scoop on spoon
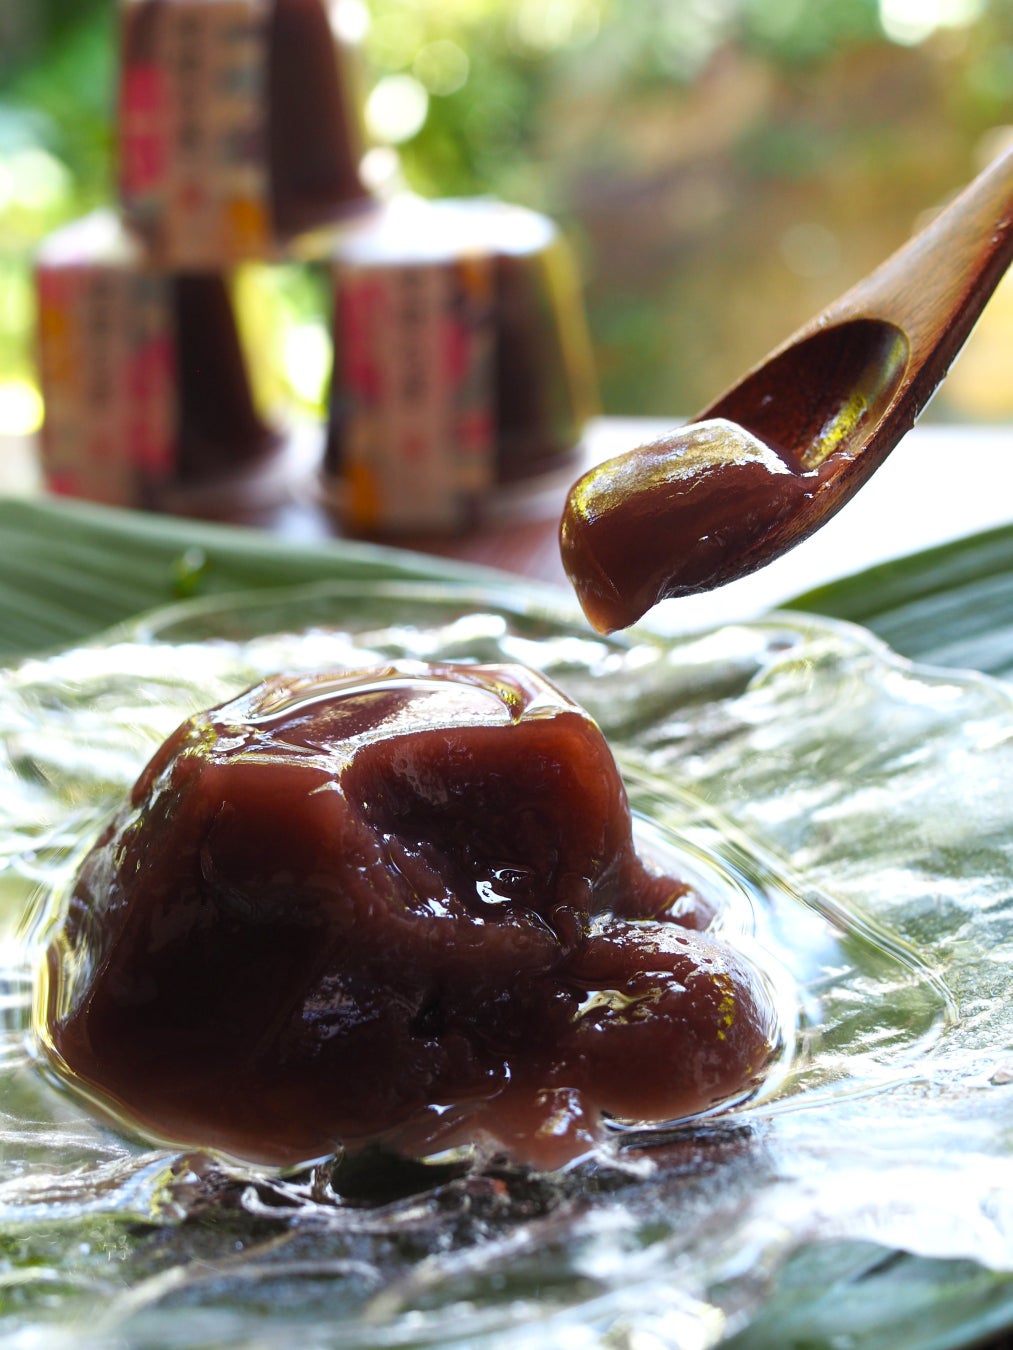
[778, 454]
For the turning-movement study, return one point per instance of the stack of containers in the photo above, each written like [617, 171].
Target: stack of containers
[461, 360]
[236, 132]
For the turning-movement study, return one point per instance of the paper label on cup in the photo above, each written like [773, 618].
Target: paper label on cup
[414, 373]
[106, 343]
[193, 127]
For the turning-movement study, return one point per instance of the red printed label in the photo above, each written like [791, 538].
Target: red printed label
[106, 356]
[193, 129]
[415, 348]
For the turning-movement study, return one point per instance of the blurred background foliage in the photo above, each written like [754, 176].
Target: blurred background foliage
[722, 167]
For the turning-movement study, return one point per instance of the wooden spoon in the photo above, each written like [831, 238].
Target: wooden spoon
[778, 454]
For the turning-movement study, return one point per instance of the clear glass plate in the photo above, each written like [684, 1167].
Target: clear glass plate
[852, 810]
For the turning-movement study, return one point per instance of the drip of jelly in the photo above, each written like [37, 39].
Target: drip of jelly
[679, 516]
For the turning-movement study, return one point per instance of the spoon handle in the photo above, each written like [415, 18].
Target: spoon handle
[936, 285]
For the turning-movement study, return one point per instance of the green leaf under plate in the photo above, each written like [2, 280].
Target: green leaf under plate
[70, 569]
[951, 605]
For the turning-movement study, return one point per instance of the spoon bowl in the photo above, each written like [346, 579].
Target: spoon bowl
[813, 421]
[811, 399]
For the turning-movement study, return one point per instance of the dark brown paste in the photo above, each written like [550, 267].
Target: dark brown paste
[400, 906]
[678, 516]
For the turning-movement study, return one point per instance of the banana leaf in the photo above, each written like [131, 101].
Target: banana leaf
[951, 605]
[68, 570]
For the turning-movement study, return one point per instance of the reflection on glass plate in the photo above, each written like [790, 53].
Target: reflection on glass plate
[856, 812]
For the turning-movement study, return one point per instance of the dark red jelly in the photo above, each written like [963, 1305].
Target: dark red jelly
[403, 907]
[219, 427]
[678, 516]
[314, 137]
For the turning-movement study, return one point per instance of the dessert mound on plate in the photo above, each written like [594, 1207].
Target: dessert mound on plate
[399, 906]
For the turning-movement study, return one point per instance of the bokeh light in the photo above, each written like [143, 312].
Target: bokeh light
[913, 21]
[441, 66]
[396, 108]
[20, 408]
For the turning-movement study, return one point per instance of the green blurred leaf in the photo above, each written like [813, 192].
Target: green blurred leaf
[850, 1296]
[70, 569]
[951, 605]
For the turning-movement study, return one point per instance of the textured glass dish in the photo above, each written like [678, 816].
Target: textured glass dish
[854, 812]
